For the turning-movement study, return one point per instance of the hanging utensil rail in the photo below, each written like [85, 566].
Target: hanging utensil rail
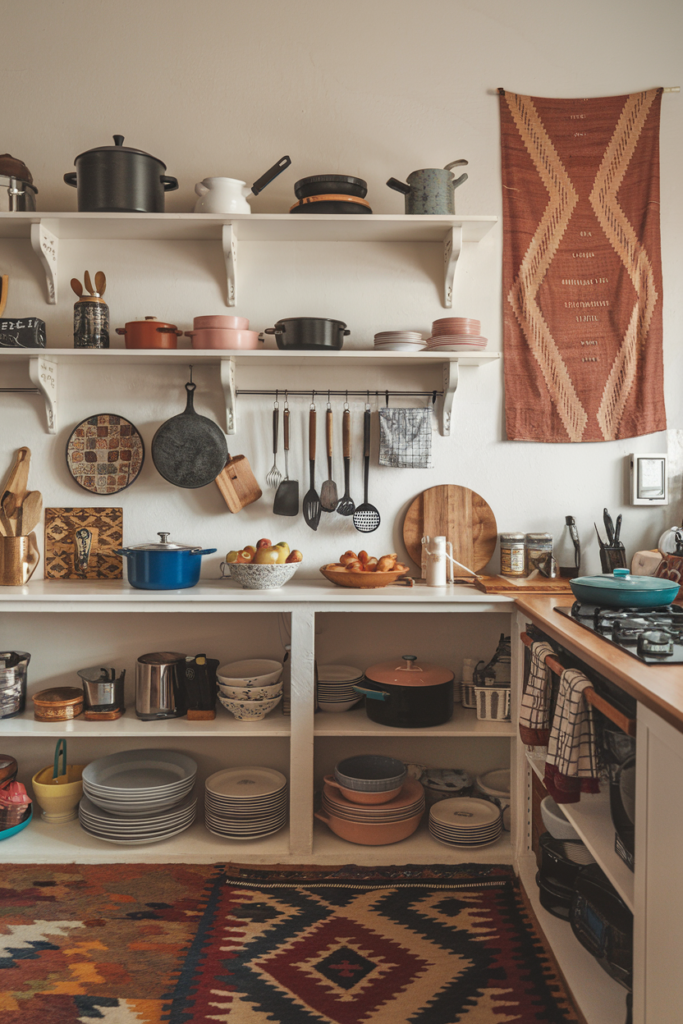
[622, 721]
[312, 392]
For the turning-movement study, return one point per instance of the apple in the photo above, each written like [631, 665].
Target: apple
[295, 556]
[231, 556]
[263, 543]
[283, 544]
[267, 556]
[245, 557]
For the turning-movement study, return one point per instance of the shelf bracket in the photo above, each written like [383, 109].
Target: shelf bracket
[229, 390]
[43, 373]
[452, 247]
[450, 386]
[46, 245]
[230, 256]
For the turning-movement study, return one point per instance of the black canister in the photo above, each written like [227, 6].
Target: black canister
[91, 324]
[117, 179]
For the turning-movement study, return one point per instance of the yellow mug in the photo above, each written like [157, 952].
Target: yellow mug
[19, 557]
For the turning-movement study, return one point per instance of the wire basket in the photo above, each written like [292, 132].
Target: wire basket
[469, 697]
[493, 703]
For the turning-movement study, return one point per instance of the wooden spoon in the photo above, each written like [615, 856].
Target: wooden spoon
[77, 287]
[9, 512]
[4, 284]
[88, 283]
[30, 513]
[100, 283]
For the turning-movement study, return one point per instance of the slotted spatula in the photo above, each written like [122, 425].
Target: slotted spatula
[366, 518]
[312, 501]
[329, 498]
[287, 495]
[346, 506]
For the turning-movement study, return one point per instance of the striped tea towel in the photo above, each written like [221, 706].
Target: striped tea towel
[571, 766]
[534, 713]
[405, 438]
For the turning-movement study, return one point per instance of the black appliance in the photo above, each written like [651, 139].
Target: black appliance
[654, 636]
[620, 754]
[603, 924]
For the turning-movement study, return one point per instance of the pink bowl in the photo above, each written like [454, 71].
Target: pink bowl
[223, 338]
[235, 323]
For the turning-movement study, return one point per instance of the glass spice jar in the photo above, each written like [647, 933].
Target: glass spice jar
[539, 551]
[512, 554]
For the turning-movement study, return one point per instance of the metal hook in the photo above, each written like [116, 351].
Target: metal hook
[286, 400]
[191, 381]
[329, 406]
[276, 404]
[367, 401]
[386, 398]
[346, 403]
[312, 399]
[433, 397]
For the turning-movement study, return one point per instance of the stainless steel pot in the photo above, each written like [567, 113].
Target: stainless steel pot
[157, 686]
[13, 673]
[16, 196]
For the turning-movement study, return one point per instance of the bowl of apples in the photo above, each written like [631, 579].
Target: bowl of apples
[365, 572]
[266, 566]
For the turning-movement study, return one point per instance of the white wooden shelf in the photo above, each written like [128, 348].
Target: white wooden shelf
[356, 723]
[592, 820]
[43, 368]
[420, 848]
[600, 999]
[45, 231]
[129, 726]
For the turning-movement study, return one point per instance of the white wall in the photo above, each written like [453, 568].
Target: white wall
[374, 89]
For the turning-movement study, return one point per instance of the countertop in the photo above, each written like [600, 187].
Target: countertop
[658, 687]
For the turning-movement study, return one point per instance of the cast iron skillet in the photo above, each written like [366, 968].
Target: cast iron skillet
[321, 184]
[189, 450]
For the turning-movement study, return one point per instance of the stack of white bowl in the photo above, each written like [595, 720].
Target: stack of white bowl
[249, 690]
[245, 803]
[138, 796]
[335, 687]
[399, 341]
[465, 822]
[456, 334]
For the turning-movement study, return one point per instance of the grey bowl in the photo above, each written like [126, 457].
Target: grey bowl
[262, 577]
[370, 773]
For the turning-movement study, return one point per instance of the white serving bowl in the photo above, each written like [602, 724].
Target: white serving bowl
[249, 710]
[336, 706]
[555, 821]
[250, 692]
[252, 672]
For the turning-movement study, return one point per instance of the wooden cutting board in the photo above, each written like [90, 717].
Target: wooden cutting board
[237, 483]
[505, 585]
[457, 513]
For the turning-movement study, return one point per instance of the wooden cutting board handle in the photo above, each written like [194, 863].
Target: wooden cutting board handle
[4, 285]
[17, 481]
[237, 484]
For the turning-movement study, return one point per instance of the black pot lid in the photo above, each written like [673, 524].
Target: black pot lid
[163, 545]
[309, 320]
[345, 178]
[118, 148]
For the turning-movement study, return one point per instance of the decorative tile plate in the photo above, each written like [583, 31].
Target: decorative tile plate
[105, 453]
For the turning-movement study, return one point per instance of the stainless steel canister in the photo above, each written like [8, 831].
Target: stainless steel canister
[13, 671]
[16, 196]
[102, 690]
[157, 686]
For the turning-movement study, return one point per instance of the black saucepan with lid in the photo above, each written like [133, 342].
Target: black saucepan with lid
[407, 693]
[117, 179]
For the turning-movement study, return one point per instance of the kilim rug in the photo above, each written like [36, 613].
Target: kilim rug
[192, 944]
[582, 275]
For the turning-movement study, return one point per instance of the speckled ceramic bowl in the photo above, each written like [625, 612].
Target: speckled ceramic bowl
[249, 710]
[250, 693]
[252, 672]
[262, 577]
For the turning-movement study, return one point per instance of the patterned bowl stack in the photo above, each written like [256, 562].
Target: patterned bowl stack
[249, 690]
[456, 334]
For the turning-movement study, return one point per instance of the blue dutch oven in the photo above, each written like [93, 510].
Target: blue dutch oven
[164, 566]
[621, 590]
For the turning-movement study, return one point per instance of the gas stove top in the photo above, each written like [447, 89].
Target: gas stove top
[653, 635]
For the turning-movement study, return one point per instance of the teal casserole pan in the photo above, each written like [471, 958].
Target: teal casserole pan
[622, 590]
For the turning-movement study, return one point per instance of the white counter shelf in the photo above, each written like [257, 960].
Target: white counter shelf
[464, 724]
[130, 726]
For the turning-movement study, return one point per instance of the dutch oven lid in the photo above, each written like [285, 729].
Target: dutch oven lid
[118, 147]
[408, 671]
[164, 545]
[153, 319]
[313, 179]
[13, 168]
[309, 320]
[621, 579]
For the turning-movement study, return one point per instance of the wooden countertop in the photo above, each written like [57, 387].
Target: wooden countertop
[660, 688]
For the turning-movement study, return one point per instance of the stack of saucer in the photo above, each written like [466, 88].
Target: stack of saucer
[245, 803]
[335, 690]
[456, 334]
[465, 821]
[399, 341]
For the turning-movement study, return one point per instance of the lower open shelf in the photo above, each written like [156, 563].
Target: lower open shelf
[420, 848]
[600, 999]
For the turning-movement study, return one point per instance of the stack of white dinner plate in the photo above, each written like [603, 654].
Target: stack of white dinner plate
[399, 341]
[465, 821]
[138, 796]
[456, 334]
[245, 803]
[335, 687]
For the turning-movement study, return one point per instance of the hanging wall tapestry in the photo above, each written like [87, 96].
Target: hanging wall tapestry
[582, 275]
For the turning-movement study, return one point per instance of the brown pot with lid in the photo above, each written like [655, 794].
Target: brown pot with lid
[149, 333]
[407, 693]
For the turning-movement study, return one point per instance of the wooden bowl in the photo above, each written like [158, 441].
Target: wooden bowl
[362, 580]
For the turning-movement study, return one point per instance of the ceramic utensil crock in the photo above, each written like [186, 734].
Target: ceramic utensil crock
[430, 190]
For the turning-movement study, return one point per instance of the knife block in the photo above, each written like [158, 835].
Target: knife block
[237, 483]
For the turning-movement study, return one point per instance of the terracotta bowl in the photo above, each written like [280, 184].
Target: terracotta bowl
[361, 580]
[370, 835]
[356, 797]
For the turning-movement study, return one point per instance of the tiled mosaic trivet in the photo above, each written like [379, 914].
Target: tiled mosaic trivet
[105, 453]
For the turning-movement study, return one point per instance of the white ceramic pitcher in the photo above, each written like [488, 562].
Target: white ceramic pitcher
[229, 195]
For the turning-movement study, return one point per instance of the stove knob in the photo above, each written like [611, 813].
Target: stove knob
[656, 642]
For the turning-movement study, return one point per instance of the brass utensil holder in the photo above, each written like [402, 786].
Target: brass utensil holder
[19, 557]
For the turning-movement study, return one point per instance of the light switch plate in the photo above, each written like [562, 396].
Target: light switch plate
[649, 479]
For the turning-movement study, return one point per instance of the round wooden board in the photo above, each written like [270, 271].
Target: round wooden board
[457, 513]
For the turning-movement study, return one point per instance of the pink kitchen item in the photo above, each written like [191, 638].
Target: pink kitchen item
[233, 323]
[226, 338]
[15, 804]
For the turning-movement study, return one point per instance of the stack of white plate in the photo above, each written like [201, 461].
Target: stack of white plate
[134, 830]
[456, 334]
[335, 687]
[399, 341]
[245, 803]
[465, 821]
[149, 787]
